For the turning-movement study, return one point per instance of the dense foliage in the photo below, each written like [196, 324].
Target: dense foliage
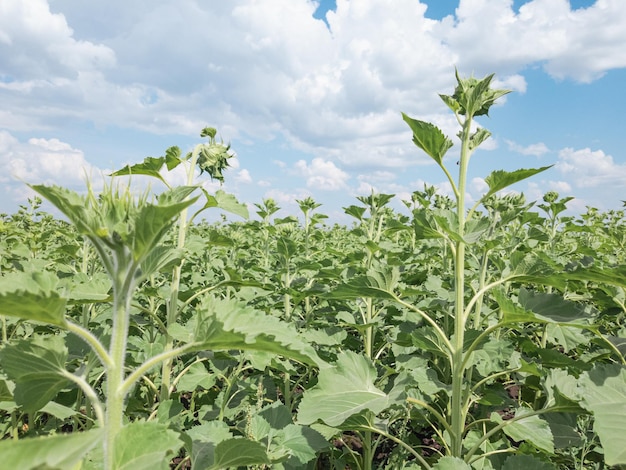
[134, 336]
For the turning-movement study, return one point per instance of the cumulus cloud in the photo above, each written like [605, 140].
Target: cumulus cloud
[536, 150]
[41, 161]
[587, 168]
[243, 176]
[321, 174]
[262, 69]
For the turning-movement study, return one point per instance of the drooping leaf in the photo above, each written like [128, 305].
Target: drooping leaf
[150, 166]
[32, 296]
[37, 367]
[500, 179]
[59, 452]
[145, 446]
[429, 138]
[603, 392]
[530, 428]
[342, 391]
[226, 202]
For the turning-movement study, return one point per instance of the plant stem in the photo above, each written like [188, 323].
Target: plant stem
[172, 303]
[123, 285]
[457, 398]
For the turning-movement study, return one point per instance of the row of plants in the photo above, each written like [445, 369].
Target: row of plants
[135, 335]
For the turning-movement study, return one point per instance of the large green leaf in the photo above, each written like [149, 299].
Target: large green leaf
[234, 453]
[223, 324]
[553, 308]
[342, 391]
[145, 446]
[528, 428]
[60, 452]
[541, 307]
[603, 392]
[29, 296]
[429, 138]
[500, 179]
[37, 367]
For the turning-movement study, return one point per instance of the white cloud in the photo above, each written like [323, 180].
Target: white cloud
[537, 149]
[42, 161]
[243, 177]
[591, 169]
[322, 175]
[261, 69]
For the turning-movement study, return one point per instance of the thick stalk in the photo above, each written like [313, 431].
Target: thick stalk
[122, 292]
[457, 412]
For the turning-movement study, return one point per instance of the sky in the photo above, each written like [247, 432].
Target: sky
[310, 94]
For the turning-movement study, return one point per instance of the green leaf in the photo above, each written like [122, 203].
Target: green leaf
[204, 438]
[149, 167]
[70, 204]
[500, 179]
[451, 463]
[59, 452]
[478, 137]
[553, 308]
[238, 453]
[153, 221]
[302, 443]
[159, 259]
[38, 369]
[429, 138]
[526, 462]
[82, 288]
[145, 446]
[343, 390]
[226, 202]
[30, 297]
[196, 376]
[223, 324]
[532, 429]
[563, 427]
[603, 392]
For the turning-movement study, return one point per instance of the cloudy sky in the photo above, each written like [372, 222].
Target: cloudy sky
[309, 94]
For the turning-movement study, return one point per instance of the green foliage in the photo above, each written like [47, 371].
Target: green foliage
[442, 336]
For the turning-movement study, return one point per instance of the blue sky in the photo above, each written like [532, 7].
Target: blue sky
[310, 94]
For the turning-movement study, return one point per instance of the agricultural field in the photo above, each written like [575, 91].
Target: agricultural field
[449, 336]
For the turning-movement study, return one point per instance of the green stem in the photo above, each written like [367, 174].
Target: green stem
[457, 412]
[123, 285]
[172, 303]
